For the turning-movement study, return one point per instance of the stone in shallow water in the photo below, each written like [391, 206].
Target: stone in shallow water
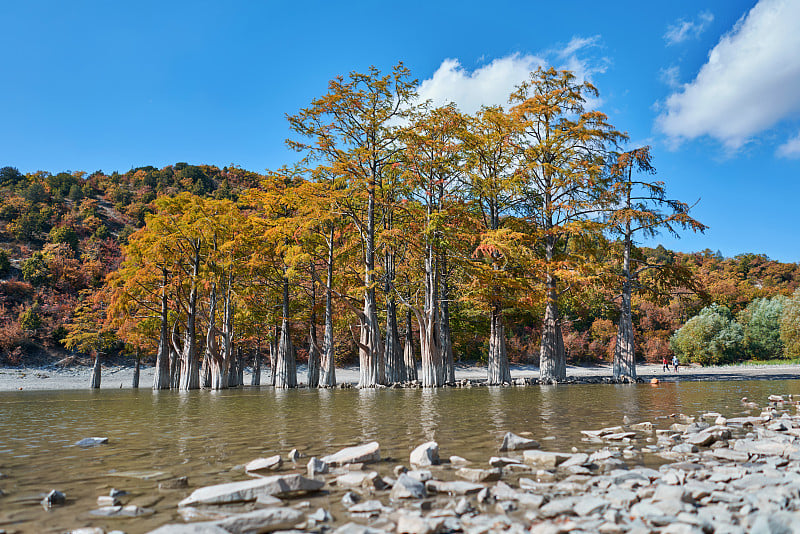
[263, 465]
[480, 475]
[425, 455]
[174, 483]
[54, 498]
[91, 442]
[455, 488]
[206, 527]
[366, 480]
[369, 452]
[264, 520]
[502, 461]
[250, 490]
[513, 442]
[316, 466]
[406, 487]
[544, 458]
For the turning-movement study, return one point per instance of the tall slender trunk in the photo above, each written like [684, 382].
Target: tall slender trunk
[285, 365]
[624, 352]
[218, 367]
[395, 369]
[313, 349]
[448, 360]
[136, 371]
[94, 380]
[190, 372]
[370, 353]
[429, 340]
[328, 371]
[552, 360]
[161, 376]
[255, 378]
[498, 370]
[239, 365]
[273, 354]
[409, 361]
[174, 359]
[229, 363]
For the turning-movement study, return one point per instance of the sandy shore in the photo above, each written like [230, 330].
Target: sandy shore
[115, 377]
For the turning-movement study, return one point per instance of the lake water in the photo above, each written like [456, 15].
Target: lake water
[207, 436]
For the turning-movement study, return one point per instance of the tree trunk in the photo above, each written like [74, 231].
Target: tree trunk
[370, 353]
[408, 351]
[190, 372]
[448, 360]
[498, 369]
[285, 365]
[429, 339]
[239, 365]
[136, 371]
[328, 371]
[312, 376]
[174, 364]
[255, 378]
[229, 362]
[624, 352]
[395, 368]
[552, 360]
[218, 367]
[273, 354]
[161, 376]
[94, 381]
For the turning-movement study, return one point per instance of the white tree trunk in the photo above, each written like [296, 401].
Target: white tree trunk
[94, 380]
[161, 376]
[498, 370]
[255, 378]
[285, 365]
[408, 351]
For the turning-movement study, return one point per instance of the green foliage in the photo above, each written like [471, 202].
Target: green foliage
[35, 270]
[35, 193]
[5, 263]
[75, 194]
[761, 323]
[709, 338]
[790, 326]
[10, 176]
[66, 235]
[30, 320]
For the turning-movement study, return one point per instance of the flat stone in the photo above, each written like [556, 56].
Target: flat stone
[205, 527]
[591, 505]
[363, 479]
[458, 460]
[425, 455]
[406, 487]
[577, 459]
[355, 528]
[558, 507]
[423, 475]
[619, 436]
[54, 498]
[262, 520]
[174, 483]
[701, 439]
[544, 458]
[457, 487]
[502, 461]
[731, 455]
[264, 465]
[316, 466]
[513, 442]
[106, 500]
[250, 490]
[480, 475]
[91, 442]
[646, 426]
[414, 524]
[367, 453]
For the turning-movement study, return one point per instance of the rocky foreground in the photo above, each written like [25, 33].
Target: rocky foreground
[717, 474]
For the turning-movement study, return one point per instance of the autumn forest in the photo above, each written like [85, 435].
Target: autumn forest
[406, 238]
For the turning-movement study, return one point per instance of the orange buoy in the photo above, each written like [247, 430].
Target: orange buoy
[654, 381]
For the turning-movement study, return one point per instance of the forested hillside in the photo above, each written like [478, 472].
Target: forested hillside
[501, 236]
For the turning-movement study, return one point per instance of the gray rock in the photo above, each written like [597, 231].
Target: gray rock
[250, 490]
[577, 459]
[172, 484]
[423, 475]
[321, 516]
[618, 436]
[558, 507]
[480, 475]
[54, 498]
[367, 453]
[106, 500]
[513, 442]
[544, 459]
[263, 520]
[91, 442]
[458, 460]
[406, 487]
[501, 461]
[350, 498]
[206, 527]
[589, 505]
[414, 524]
[454, 488]
[701, 439]
[264, 465]
[373, 507]
[355, 528]
[316, 466]
[361, 479]
[425, 455]
[294, 455]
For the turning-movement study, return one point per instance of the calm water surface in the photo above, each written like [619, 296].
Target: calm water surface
[207, 436]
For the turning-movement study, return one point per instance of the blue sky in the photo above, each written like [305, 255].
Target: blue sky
[712, 86]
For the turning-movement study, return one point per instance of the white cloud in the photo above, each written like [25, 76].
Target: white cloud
[670, 76]
[790, 149]
[488, 85]
[683, 30]
[750, 82]
[491, 84]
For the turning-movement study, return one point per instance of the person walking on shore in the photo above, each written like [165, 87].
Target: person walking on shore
[675, 363]
[664, 364]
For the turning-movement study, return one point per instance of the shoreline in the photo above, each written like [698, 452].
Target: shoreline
[53, 378]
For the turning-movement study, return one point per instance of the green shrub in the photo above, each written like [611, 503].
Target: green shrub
[790, 326]
[761, 322]
[5, 263]
[34, 269]
[709, 338]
